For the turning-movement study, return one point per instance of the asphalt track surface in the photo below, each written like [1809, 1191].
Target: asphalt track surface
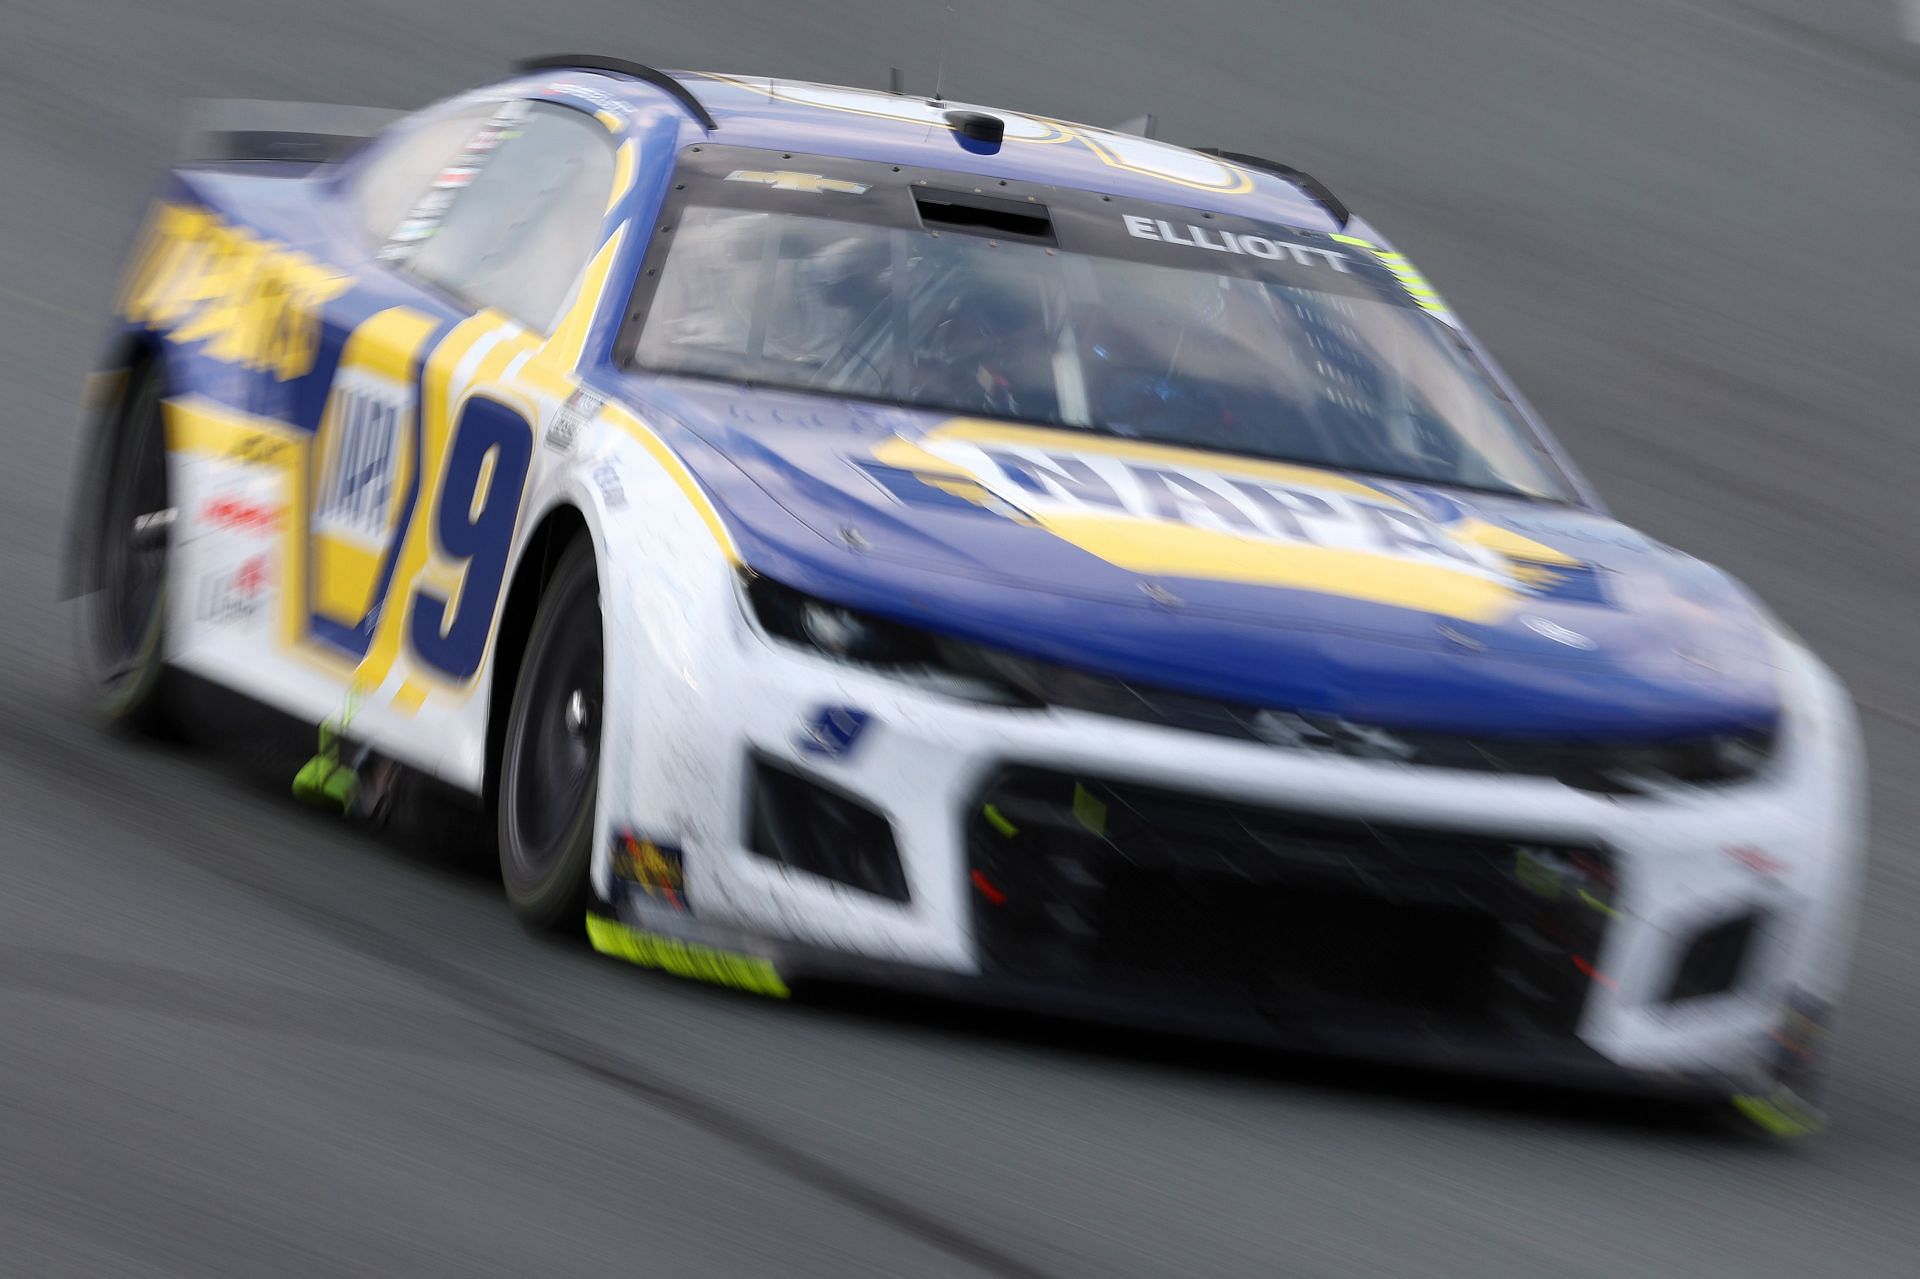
[237, 1038]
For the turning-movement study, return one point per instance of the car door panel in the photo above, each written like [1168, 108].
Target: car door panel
[359, 474]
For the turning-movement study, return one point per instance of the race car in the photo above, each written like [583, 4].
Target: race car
[844, 535]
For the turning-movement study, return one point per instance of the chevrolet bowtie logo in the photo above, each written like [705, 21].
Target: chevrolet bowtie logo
[789, 180]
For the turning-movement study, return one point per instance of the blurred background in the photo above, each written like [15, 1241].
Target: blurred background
[234, 1036]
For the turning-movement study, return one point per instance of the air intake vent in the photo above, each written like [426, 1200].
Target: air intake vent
[802, 824]
[983, 215]
[1713, 963]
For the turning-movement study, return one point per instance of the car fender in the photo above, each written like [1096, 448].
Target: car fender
[671, 618]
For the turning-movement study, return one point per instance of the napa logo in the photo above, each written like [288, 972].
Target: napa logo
[252, 301]
[363, 477]
[1164, 511]
[356, 489]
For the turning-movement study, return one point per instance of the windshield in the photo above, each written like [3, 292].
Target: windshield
[1317, 363]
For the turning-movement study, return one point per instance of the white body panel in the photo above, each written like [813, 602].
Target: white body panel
[693, 686]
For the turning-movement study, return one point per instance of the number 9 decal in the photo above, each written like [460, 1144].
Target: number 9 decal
[478, 508]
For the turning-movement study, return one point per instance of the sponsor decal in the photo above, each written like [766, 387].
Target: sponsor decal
[789, 180]
[587, 93]
[607, 477]
[260, 448]
[1165, 512]
[423, 220]
[455, 176]
[1216, 240]
[234, 595]
[572, 417]
[355, 491]
[241, 515]
[654, 868]
[833, 731]
[685, 959]
[252, 301]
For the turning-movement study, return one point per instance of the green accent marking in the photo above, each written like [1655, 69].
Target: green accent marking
[997, 820]
[685, 959]
[1599, 905]
[1783, 1114]
[324, 780]
[1088, 811]
[1535, 878]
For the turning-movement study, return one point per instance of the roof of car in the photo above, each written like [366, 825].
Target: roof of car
[818, 119]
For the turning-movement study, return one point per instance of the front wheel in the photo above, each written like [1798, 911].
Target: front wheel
[124, 628]
[550, 760]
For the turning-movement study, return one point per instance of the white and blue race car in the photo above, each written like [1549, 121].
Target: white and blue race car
[848, 535]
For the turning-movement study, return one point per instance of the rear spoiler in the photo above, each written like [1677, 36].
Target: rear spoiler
[220, 130]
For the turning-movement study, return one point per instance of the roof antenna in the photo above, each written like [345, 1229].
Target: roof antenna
[940, 74]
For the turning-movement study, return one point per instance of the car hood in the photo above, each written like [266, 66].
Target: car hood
[1383, 602]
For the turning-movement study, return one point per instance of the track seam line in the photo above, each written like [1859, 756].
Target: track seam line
[514, 1021]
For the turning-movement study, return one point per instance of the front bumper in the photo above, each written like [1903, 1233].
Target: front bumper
[1495, 924]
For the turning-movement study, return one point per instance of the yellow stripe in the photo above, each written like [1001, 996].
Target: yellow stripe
[409, 697]
[437, 387]
[1241, 184]
[1504, 541]
[1155, 548]
[344, 577]
[671, 463]
[625, 162]
[562, 351]
[387, 343]
[609, 119]
[502, 353]
[210, 429]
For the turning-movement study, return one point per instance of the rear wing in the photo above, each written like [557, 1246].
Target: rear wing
[224, 130]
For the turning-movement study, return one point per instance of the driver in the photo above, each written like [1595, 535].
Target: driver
[990, 351]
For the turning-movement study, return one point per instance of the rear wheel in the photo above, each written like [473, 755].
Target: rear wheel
[125, 624]
[550, 759]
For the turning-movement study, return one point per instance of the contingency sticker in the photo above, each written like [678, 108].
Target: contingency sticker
[423, 220]
[651, 868]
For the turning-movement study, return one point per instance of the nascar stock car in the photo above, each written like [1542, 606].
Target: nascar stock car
[848, 535]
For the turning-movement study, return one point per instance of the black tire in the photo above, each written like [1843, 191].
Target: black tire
[550, 758]
[124, 626]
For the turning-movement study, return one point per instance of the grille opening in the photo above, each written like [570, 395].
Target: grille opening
[1306, 919]
[800, 823]
[1715, 960]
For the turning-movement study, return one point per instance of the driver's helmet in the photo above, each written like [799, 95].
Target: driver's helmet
[990, 349]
